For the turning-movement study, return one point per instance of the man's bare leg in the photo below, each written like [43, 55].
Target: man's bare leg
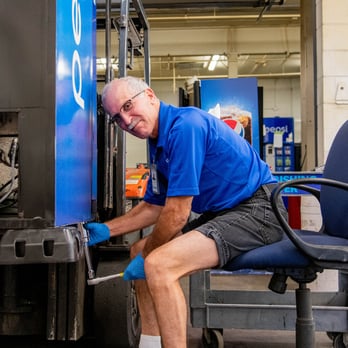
[149, 325]
[164, 267]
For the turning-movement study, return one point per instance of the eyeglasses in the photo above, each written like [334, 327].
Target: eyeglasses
[126, 107]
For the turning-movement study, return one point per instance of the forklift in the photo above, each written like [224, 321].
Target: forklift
[62, 163]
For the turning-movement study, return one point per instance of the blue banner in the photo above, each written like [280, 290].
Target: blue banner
[293, 191]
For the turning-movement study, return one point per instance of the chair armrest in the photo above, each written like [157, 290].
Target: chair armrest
[317, 252]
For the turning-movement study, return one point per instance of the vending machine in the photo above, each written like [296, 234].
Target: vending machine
[236, 101]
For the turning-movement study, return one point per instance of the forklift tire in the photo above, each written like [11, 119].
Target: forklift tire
[116, 316]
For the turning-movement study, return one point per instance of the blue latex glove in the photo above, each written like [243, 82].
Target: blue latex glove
[98, 232]
[135, 269]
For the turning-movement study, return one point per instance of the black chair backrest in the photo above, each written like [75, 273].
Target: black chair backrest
[333, 201]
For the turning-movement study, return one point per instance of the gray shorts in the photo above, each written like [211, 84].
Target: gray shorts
[249, 225]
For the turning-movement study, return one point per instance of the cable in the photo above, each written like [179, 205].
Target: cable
[7, 183]
[304, 158]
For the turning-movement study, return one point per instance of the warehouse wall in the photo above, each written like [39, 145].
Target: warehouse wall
[332, 70]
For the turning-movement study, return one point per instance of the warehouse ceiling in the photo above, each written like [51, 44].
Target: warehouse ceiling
[263, 19]
[169, 14]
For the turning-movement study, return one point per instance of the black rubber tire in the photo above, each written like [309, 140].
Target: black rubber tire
[116, 316]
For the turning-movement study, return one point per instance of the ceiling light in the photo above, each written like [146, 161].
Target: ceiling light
[101, 63]
[213, 61]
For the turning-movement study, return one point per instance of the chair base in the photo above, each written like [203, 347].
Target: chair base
[305, 326]
[214, 307]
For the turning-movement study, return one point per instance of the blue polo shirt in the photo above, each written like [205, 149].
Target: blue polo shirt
[196, 154]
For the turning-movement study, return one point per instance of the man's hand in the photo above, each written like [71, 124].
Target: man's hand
[135, 269]
[98, 232]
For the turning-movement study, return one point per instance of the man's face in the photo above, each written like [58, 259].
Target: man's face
[135, 113]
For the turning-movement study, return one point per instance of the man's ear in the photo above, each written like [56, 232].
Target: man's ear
[151, 94]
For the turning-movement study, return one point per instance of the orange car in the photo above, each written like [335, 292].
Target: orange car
[136, 181]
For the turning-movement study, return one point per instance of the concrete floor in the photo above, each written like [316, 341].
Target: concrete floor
[232, 339]
[257, 339]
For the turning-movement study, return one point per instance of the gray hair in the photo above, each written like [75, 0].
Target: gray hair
[134, 85]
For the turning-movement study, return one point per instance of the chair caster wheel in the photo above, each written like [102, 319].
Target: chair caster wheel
[338, 341]
[212, 338]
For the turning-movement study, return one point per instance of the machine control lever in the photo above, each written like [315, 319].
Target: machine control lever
[85, 239]
[92, 279]
[98, 280]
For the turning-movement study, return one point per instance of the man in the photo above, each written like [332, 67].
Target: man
[197, 164]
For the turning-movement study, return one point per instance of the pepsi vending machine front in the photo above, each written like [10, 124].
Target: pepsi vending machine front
[75, 111]
[236, 102]
[278, 143]
[48, 97]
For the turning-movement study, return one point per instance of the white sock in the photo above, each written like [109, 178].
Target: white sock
[147, 341]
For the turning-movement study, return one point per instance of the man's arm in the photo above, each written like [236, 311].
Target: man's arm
[142, 215]
[172, 219]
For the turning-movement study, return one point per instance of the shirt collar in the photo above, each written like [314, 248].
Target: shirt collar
[163, 125]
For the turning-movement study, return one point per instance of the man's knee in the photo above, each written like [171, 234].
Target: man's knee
[157, 269]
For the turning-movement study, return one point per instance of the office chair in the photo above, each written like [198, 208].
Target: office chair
[302, 254]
